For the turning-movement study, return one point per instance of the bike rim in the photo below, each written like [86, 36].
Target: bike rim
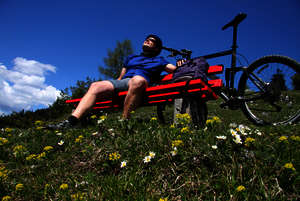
[278, 104]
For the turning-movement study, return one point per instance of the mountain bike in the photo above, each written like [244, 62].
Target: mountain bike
[268, 90]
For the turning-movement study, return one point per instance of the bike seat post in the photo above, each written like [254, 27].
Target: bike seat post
[233, 58]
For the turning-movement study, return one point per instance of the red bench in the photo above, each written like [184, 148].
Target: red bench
[167, 91]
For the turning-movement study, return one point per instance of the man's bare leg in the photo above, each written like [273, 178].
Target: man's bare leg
[97, 89]
[137, 86]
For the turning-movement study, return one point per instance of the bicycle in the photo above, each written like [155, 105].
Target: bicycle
[267, 91]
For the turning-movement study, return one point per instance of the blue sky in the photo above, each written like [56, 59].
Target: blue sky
[48, 45]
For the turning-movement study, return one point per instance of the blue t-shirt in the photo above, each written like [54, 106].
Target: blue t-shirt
[147, 67]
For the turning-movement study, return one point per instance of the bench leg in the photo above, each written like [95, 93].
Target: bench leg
[159, 109]
[195, 107]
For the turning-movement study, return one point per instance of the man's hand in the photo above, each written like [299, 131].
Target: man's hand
[180, 62]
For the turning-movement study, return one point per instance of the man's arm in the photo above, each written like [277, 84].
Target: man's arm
[123, 71]
[170, 68]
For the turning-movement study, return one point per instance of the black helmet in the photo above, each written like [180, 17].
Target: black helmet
[158, 42]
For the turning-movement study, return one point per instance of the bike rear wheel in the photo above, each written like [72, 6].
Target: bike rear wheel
[270, 90]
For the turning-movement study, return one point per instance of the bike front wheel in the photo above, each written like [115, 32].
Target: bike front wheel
[270, 90]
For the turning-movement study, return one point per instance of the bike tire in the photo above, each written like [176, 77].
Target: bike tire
[197, 109]
[277, 101]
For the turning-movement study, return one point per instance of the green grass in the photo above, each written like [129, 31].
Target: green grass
[263, 167]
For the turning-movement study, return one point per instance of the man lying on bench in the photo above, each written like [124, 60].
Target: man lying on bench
[138, 72]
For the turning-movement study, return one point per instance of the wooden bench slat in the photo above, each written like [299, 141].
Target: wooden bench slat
[166, 93]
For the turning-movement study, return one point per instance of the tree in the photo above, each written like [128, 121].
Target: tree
[115, 59]
[296, 81]
[279, 81]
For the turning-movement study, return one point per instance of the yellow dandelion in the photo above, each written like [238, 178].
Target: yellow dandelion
[163, 199]
[289, 166]
[38, 123]
[153, 119]
[177, 143]
[283, 138]
[19, 187]
[240, 188]
[185, 130]
[249, 140]
[3, 141]
[8, 130]
[6, 198]
[295, 138]
[63, 186]
[41, 156]
[79, 139]
[48, 148]
[31, 157]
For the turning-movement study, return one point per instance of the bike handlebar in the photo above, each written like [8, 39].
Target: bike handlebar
[184, 52]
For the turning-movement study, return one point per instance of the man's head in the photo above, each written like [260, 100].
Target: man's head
[152, 45]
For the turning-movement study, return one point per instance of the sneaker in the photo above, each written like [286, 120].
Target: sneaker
[71, 122]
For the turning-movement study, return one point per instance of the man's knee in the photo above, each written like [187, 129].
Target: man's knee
[138, 82]
[101, 87]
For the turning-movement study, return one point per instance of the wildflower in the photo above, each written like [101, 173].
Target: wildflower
[63, 186]
[249, 139]
[79, 139]
[216, 119]
[221, 137]
[174, 152]
[237, 139]
[41, 156]
[233, 132]
[19, 187]
[123, 164]
[151, 154]
[38, 123]
[48, 148]
[147, 159]
[3, 173]
[8, 130]
[31, 157]
[19, 150]
[283, 138]
[289, 166]
[102, 119]
[183, 118]
[39, 128]
[240, 188]
[258, 132]
[295, 138]
[79, 196]
[163, 199]
[94, 116]
[177, 143]
[153, 119]
[60, 143]
[214, 147]
[185, 130]
[6, 198]
[114, 156]
[232, 125]
[58, 134]
[3, 141]
[95, 133]
[172, 126]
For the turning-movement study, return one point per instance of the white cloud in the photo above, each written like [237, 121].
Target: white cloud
[24, 87]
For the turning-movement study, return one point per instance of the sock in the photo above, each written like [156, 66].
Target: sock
[73, 120]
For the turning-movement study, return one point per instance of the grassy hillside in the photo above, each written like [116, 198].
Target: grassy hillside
[141, 159]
